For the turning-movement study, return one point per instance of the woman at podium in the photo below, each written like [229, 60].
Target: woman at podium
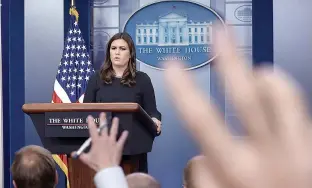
[118, 81]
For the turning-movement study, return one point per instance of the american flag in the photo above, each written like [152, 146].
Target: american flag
[75, 68]
[72, 77]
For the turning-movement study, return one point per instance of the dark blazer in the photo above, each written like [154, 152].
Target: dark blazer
[140, 139]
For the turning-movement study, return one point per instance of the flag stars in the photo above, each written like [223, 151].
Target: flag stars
[75, 68]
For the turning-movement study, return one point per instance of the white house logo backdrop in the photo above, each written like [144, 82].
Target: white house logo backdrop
[244, 13]
[173, 30]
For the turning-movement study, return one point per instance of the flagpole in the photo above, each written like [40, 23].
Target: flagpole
[72, 10]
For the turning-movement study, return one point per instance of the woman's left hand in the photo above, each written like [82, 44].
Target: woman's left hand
[158, 124]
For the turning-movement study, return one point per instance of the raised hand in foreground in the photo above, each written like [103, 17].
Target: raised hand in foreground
[105, 151]
[277, 151]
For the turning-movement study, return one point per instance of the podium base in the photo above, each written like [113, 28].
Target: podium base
[81, 176]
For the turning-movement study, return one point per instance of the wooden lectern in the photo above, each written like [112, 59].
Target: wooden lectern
[62, 129]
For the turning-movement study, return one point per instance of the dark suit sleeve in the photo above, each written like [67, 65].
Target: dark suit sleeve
[149, 101]
[92, 87]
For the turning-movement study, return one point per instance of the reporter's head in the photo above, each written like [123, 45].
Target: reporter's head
[141, 180]
[34, 167]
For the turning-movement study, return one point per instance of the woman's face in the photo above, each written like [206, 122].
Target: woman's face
[120, 53]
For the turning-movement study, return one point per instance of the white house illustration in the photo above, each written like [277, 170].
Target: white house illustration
[173, 29]
[245, 12]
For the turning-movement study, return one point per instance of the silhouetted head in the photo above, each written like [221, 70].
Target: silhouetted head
[141, 180]
[34, 167]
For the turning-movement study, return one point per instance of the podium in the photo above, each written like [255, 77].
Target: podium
[62, 128]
